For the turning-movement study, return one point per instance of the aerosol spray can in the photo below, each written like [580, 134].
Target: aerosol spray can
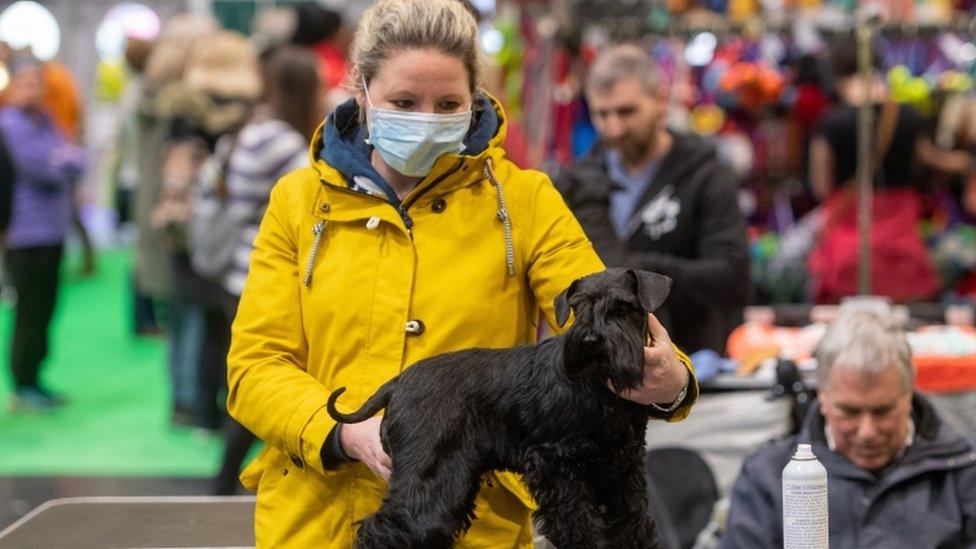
[805, 524]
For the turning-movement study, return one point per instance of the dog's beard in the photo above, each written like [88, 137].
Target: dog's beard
[580, 359]
[625, 365]
[621, 362]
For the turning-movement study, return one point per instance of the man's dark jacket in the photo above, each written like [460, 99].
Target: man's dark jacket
[687, 226]
[926, 499]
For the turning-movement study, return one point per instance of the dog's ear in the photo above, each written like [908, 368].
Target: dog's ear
[652, 289]
[562, 304]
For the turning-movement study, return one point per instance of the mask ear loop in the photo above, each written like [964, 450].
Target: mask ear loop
[369, 102]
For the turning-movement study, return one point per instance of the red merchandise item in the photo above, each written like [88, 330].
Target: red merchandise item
[333, 64]
[900, 266]
[811, 102]
[563, 109]
[753, 84]
[945, 374]
[967, 285]
[517, 146]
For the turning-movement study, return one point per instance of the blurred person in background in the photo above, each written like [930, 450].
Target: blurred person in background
[898, 476]
[953, 249]
[320, 30]
[653, 199]
[162, 80]
[46, 166]
[7, 179]
[63, 102]
[901, 268]
[125, 172]
[218, 89]
[272, 28]
[325, 33]
[234, 191]
[7, 175]
[125, 175]
[153, 258]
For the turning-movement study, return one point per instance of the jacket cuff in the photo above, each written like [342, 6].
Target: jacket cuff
[306, 432]
[333, 454]
[678, 400]
[691, 395]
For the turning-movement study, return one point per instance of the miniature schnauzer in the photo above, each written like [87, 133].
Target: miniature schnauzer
[544, 410]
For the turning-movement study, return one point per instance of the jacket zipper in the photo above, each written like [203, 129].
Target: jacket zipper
[318, 230]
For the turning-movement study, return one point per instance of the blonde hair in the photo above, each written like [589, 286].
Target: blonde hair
[392, 26]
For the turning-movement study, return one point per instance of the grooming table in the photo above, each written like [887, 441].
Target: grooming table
[129, 522]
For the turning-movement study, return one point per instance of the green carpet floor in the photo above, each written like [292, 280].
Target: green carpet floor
[117, 420]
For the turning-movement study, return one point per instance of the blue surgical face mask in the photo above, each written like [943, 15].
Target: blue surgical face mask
[410, 142]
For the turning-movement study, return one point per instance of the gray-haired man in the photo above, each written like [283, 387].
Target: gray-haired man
[898, 477]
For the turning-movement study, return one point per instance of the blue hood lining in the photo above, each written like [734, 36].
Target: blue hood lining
[344, 142]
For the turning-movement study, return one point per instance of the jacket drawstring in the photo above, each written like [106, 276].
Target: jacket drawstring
[503, 216]
[318, 230]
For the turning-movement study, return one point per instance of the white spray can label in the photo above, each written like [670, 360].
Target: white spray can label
[805, 522]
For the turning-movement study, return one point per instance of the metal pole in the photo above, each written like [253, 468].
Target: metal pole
[865, 138]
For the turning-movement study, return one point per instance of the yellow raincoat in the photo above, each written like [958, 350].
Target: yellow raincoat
[341, 293]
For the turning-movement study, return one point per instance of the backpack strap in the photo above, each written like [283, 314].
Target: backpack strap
[220, 182]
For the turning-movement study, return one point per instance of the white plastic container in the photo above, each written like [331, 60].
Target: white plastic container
[805, 522]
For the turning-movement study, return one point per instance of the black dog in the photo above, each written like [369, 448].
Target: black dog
[544, 411]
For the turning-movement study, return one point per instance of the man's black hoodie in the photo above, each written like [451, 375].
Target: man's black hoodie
[687, 226]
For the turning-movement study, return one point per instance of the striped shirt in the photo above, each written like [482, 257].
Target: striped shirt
[265, 151]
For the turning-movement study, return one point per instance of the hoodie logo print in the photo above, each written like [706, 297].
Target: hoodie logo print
[660, 216]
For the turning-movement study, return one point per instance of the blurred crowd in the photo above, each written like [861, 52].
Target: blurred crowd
[210, 119]
[215, 120]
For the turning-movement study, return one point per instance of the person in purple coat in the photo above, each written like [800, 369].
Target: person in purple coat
[46, 167]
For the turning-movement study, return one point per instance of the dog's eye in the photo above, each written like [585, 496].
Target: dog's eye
[623, 309]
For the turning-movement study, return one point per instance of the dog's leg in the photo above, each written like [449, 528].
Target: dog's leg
[384, 529]
[569, 518]
[423, 509]
[620, 490]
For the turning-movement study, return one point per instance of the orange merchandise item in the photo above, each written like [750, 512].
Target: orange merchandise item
[944, 357]
[759, 337]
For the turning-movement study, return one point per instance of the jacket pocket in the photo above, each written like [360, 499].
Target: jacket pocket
[251, 475]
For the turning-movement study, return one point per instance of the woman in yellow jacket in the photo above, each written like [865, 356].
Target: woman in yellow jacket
[410, 235]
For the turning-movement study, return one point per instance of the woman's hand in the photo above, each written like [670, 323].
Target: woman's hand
[361, 441]
[664, 373]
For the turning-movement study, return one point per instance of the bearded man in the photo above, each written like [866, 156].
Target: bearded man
[654, 199]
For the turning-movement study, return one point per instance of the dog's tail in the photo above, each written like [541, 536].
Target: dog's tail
[377, 402]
